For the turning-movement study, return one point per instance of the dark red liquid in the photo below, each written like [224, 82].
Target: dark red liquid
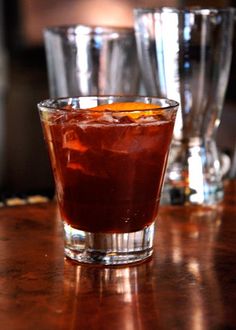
[108, 176]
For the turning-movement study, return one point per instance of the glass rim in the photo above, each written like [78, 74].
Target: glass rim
[84, 29]
[188, 9]
[52, 104]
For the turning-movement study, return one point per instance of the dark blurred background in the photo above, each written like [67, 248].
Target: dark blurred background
[24, 164]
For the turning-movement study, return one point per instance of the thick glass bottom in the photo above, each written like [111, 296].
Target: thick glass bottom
[194, 174]
[108, 248]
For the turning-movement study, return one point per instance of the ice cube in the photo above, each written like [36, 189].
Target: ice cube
[71, 141]
[122, 139]
[89, 163]
[76, 162]
[106, 117]
[126, 120]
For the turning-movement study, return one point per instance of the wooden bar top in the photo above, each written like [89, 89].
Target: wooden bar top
[189, 283]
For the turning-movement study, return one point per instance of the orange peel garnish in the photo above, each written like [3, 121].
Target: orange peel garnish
[134, 110]
[133, 107]
[126, 106]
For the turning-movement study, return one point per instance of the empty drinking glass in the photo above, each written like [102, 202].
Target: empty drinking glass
[185, 54]
[85, 60]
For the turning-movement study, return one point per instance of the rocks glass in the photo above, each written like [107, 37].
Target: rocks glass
[108, 167]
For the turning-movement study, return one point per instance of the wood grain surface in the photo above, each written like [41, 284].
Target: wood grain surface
[189, 283]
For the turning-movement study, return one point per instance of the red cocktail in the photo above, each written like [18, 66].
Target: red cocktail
[108, 163]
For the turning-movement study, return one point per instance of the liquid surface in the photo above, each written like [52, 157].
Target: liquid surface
[109, 170]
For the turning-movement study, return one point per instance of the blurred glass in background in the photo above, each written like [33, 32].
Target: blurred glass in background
[185, 55]
[84, 60]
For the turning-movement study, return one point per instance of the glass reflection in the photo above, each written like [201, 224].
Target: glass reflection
[92, 292]
[178, 288]
[189, 257]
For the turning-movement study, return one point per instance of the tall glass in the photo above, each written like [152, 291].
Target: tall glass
[108, 165]
[85, 60]
[185, 54]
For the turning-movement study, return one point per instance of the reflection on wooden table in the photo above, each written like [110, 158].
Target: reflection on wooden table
[189, 283]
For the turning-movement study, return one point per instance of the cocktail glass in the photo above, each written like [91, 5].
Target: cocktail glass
[185, 54]
[91, 60]
[108, 156]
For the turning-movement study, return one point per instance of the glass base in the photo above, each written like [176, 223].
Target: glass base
[108, 248]
[194, 175]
